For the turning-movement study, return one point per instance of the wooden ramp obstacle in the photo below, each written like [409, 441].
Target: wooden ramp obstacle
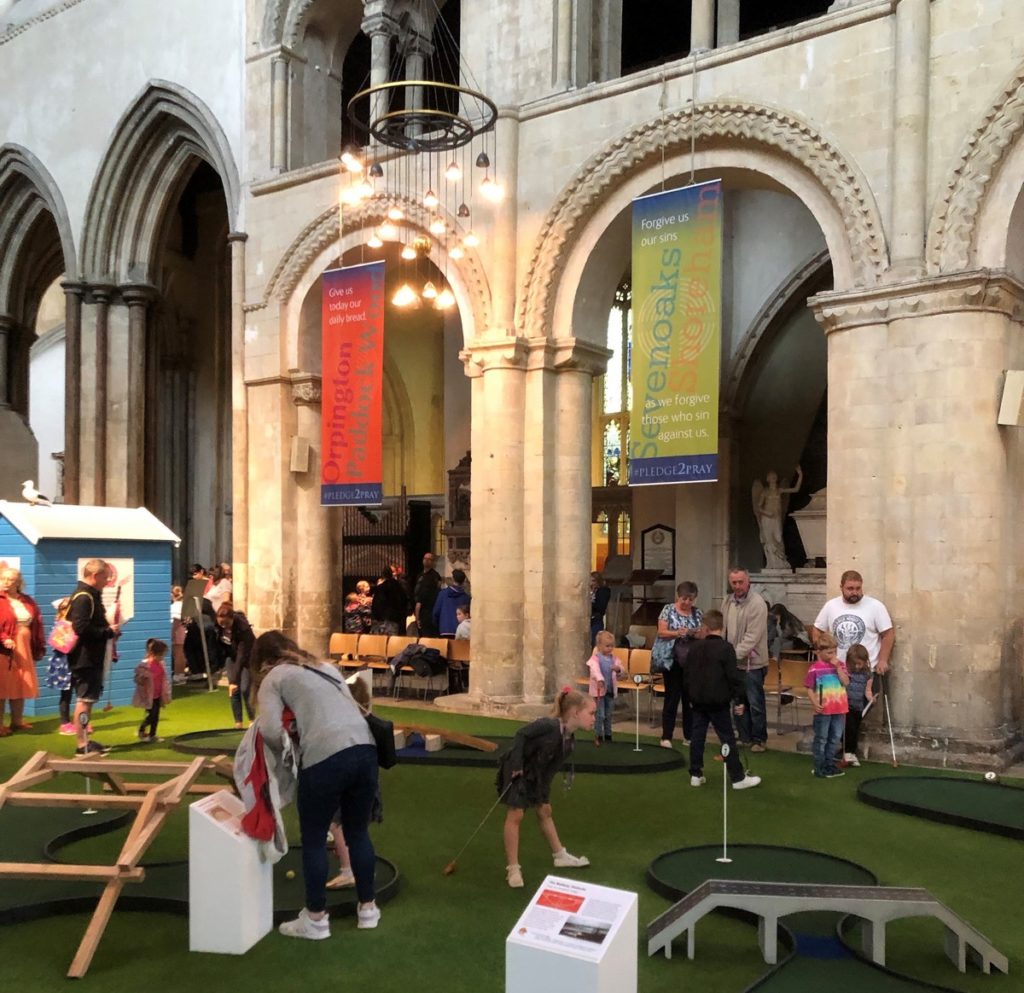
[151, 801]
[874, 905]
[480, 744]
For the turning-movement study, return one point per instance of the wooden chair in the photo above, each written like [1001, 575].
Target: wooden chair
[774, 687]
[638, 663]
[397, 643]
[441, 644]
[344, 648]
[793, 667]
[459, 656]
[373, 653]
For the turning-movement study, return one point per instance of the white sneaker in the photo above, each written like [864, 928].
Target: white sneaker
[563, 860]
[747, 782]
[851, 759]
[665, 743]
[697, 780]
[514, 876]
[305, 927]
[367, 917]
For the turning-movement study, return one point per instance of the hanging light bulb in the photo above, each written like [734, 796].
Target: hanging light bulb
[350, 196]
[437, 226]
[429, 291]
[493, 191]
[430, 200]
[483, 161]
[376, 170]
[404, 296]
[453, 173]
[445, 299]
[395, 214]
[374, 241]
[471, 240]
[350, 159]
[365, 188]
[456, 252]
[408, 253]
[463, 210]
[388, 231]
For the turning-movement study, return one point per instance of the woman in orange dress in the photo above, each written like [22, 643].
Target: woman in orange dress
[21, 646]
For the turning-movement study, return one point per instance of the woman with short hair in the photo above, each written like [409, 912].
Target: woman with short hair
[678, 624]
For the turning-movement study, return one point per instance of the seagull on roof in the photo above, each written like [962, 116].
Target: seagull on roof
[33, 496]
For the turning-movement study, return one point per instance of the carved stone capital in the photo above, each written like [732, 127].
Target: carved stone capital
[568, 355]
[307, 390]
[484, 354]
[379, 22]
[138, 294]
[984, 290]
[101, 292]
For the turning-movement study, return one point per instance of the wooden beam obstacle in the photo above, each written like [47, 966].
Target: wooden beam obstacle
[152, 802]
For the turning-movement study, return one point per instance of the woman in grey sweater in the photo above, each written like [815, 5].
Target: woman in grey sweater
[337, 770]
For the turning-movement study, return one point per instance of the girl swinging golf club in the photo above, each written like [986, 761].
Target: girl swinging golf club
[527, 769]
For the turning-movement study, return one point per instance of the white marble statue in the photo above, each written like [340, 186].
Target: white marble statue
[770, 502]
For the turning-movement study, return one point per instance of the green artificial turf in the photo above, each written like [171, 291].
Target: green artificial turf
[446, 934]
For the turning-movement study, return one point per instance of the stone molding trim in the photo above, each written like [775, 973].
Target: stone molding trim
[325, 230]
[27, 190]
[307, 390]
[17, 29]
[952, 233]
[484, 354]
[567, 355]
[716, 124]
[991, 291]
[782, 302]
[165, 127]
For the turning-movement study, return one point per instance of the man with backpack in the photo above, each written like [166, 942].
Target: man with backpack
[85, 660]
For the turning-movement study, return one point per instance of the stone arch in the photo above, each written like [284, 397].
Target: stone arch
[285, 21]
[971, 217]
[757, 138]
[29, 202]
[321, 242]
[155, 145]
[804, 280]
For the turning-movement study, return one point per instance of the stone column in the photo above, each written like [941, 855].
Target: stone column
[72, 388]
[505, 213]
[498, 371]
[314, 553]
[728, 22]
[379, 26]
[418, 49]
[279, 84]
[6, 329]
[101, 296]
[138, 298]
[239, 428]
[563, 45]
[702, 26]
[910, 137]
[928, 508]
[576, 362]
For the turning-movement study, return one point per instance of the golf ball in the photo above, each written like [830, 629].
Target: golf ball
[290, 874]
[990, 777]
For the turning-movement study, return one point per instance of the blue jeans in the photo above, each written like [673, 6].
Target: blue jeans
[603, 717]
[828, 736]
[347, 780]
[242, 694]
[752, 725]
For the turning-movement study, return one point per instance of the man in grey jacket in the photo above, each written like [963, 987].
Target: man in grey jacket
[746, 629]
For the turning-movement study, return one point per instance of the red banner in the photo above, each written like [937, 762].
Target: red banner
[353, 367]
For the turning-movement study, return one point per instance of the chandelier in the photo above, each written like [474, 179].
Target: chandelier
[429, 153]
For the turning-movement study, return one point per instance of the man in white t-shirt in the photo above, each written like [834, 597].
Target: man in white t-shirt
[855, 619]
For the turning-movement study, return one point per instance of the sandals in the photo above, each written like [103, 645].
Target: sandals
[342, 880]
[23, 726]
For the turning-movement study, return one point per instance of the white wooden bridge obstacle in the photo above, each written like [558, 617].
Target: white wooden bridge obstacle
[874, 905]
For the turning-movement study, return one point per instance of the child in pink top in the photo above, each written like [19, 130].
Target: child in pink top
[152, 688]
[826, 689]
[603, 666]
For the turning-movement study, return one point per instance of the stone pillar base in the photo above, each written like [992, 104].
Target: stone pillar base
[942, 752]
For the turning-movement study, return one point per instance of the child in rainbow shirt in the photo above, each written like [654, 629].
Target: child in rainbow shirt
[826, 688]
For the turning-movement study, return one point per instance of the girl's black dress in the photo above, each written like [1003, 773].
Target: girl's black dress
[539, 749]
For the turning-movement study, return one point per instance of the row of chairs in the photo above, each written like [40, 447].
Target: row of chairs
[784, 681]
[376, 651]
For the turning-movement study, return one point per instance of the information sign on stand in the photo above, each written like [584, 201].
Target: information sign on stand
[230, 890]
[574, 936]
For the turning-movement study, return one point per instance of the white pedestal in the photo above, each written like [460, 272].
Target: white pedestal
[230, 891]
[574, 936]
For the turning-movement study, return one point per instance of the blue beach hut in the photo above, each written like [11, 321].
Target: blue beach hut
[51, 544]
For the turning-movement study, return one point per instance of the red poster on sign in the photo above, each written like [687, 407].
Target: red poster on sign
[353, 365]
[560, 901]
